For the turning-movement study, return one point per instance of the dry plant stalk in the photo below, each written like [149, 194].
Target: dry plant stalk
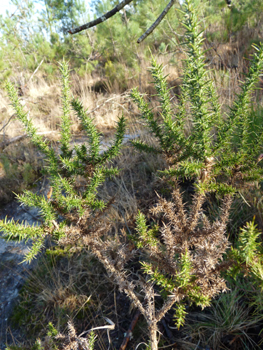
[72, 341]
[181, 260]
[192, 232]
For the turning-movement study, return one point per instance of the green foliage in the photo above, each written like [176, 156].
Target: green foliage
[228, 317]
[127, 26]
[182, 255]
[184, 277]
[248, 254]
[61, 16]
[64, 202]
[29, 35]
[248, 242]
[52, 332]
[180, 314]
[220, 151]
[147, 235]
[65, 119]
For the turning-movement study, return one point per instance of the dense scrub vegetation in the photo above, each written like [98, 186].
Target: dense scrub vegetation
[30, 35]
[191, 256]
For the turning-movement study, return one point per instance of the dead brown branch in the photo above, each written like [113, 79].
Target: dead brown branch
[19, 138]
[12, 116]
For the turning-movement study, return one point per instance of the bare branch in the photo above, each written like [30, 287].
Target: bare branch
[101, 19]
[166, 307]
[21, 137]
[12, 116]
[36, 69]
[130, 330]
[156, 23]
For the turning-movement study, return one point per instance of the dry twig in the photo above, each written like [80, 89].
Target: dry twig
[129, 332]
[19, 138]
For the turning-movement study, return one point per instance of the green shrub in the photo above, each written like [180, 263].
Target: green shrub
[220, 151]
[65, 205]
[181, 255]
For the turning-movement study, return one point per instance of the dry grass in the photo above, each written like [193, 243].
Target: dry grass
[42, 101]
[228, 324]
[42, 98]
[20, 167]
[60, 289]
